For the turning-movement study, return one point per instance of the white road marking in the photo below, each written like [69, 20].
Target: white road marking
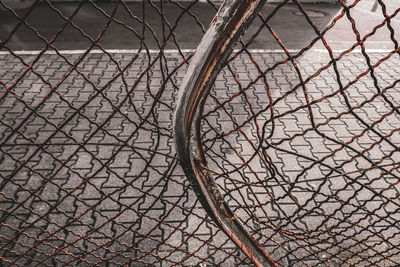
[174, 51]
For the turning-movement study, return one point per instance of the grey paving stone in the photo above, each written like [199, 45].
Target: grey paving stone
[106, 186]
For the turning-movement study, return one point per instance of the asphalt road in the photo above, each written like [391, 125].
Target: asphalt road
[291, 27]
[126, 32]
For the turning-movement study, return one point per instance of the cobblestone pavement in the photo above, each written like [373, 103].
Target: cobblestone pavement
[107, 188]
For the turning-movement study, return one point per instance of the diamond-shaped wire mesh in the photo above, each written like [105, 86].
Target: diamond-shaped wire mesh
[304, 144]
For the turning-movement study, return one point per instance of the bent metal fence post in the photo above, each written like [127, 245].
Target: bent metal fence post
[226, 28]
[290, 154]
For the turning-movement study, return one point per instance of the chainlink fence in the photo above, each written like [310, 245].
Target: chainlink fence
[303, 144]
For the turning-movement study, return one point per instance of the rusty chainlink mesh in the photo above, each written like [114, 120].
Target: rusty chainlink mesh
[304, 145]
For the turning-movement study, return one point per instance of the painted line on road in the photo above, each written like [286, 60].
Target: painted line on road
[98, 51]
[176, 51]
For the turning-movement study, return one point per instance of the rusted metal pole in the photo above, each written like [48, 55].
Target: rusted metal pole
[233, 17]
